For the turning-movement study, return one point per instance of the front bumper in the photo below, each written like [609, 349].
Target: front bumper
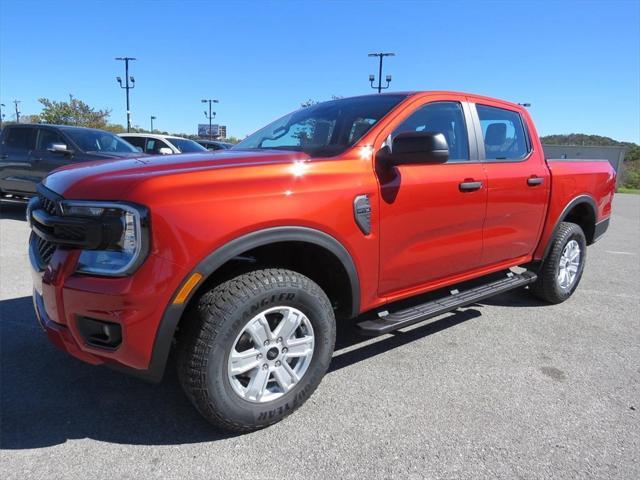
[136, 303]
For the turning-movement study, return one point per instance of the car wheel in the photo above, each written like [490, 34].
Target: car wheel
[255, 348]
[561, 271]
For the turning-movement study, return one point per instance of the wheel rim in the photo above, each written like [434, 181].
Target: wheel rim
[569, 265]
[271, 354]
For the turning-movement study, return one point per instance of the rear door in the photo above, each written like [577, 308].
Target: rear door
[16, 175]
[431, 215]
[44, 160]
[518, 183]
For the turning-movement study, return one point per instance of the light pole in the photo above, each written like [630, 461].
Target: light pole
[152, 119]
[16, 102]
[211, 115]
[372, 77]
[1, 114]
[127, 87]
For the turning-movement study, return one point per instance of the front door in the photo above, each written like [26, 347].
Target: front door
[44, 160]
[431, 215]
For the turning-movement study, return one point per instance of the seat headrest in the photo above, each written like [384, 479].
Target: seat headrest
[496, 134]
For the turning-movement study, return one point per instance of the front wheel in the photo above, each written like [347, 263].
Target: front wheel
[256, 348]
[561, 271]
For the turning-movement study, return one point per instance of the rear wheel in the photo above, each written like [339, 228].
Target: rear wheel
[256, 348]
[561, 271]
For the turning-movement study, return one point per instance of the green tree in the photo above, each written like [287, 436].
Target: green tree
[73, 112]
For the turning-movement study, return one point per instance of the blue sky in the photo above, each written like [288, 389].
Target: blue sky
[578, 63]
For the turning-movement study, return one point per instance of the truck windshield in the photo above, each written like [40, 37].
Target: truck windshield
[324, 129]
[92, 141]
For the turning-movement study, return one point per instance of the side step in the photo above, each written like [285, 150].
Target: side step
[433, 308]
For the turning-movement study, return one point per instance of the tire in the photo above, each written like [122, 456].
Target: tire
[229, 316]
[551, 286]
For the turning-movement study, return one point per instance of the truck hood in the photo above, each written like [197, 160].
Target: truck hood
[111, 179]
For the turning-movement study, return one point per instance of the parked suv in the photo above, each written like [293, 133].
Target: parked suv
[383, 210]
[29, 152]
[153, 144]
[214, 144]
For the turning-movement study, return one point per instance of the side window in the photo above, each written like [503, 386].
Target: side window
[136, 141]
[441, 117]
[154, 145]
[503, 133]
[21, 138]
[46, 138]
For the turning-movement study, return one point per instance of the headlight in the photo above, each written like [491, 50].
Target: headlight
[125, 235]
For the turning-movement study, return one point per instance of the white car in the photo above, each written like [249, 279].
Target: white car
[162, 144]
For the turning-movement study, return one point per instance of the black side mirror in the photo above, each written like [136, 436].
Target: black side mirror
[417, 148]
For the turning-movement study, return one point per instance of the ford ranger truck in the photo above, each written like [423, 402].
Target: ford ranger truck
[383, 210]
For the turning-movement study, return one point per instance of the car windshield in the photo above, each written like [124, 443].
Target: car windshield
[92, 141]
[187, 146]
[324, 129]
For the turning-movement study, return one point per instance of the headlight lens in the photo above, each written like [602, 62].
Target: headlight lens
[125, 252]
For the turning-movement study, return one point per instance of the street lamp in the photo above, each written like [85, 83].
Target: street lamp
[388, 77]
[211, 115]
[152, 119]
[1, 114]
[126, 86]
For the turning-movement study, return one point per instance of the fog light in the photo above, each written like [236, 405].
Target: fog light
[99, 333]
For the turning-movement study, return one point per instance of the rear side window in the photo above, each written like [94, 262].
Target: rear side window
[441, 117]
[23, 138]
[503, 133]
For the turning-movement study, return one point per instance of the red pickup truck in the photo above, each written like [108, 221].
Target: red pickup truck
[243, 261]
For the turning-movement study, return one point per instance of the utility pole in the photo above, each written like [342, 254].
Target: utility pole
[16, 102]
[372, 77]
[152, 119]
[211, 115]
[1, 114]
[126, 86]
[73, 107]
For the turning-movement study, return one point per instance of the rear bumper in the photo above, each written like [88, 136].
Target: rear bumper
[136, 304]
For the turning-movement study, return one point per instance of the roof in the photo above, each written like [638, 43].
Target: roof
[150, 135]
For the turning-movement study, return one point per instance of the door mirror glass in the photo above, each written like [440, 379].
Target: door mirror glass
[419, 147]
[165, 151]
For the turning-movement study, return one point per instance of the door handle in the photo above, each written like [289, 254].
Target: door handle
[533, 181]
[470, 186]
[4, 156]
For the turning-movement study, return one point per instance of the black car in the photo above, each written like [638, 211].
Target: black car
[29, 152]
[214, 144]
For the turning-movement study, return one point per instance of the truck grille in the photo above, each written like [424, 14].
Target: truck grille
[47, 204]
[45, 249]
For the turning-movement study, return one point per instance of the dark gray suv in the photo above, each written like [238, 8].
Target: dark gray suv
[29, 152]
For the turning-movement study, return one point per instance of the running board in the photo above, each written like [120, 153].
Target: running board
[433, 308]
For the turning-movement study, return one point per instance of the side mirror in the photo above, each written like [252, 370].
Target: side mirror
[139, 149]
[417, 148]
[165, 151]
[58, 148]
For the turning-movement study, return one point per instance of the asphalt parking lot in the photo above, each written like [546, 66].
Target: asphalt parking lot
[509, 388]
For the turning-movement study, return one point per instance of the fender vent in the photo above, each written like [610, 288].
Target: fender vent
[362, 213]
